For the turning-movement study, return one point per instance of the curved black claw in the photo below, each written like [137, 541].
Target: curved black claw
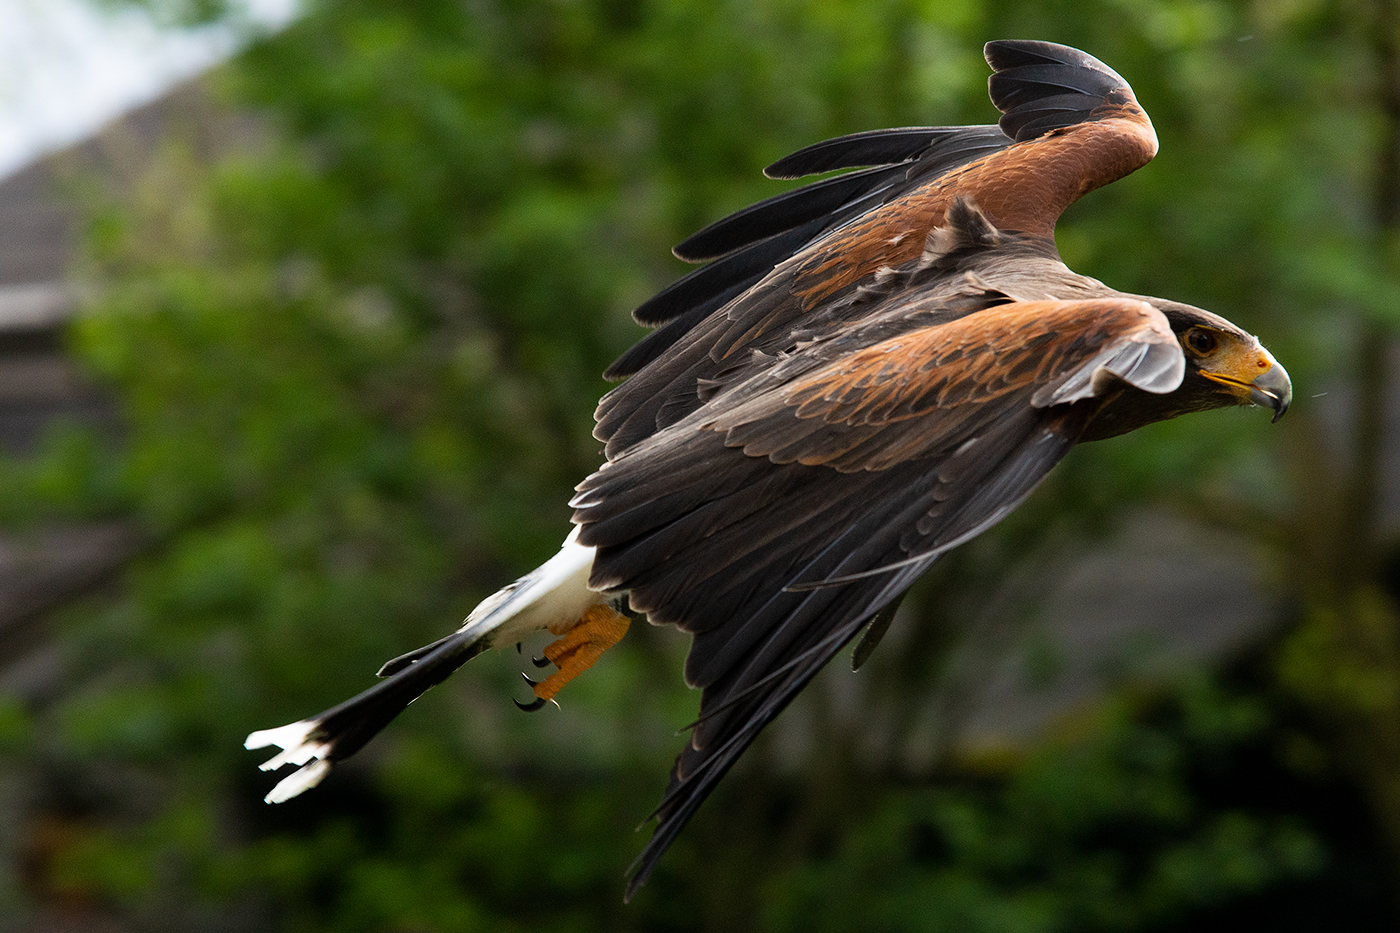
[528, 680]
[541, 662]
[532, 706]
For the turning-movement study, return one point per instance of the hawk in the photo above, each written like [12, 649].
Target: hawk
[869, 371]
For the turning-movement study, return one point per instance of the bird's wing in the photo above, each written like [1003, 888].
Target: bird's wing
[1070, 124]
[776, 520]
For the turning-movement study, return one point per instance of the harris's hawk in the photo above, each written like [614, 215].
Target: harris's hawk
[869, 371]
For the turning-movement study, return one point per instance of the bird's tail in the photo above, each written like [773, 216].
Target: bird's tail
[554, 596]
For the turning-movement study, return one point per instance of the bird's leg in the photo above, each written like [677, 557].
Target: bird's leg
[580, 644]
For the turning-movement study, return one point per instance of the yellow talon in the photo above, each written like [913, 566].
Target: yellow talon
[581, 643]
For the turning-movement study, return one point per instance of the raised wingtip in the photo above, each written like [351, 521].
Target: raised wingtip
[1041, 87]
[1002, 54]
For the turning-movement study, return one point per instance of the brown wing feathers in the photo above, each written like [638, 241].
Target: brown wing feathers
[887, 213]
[747, 245]
[837, 398]
[880, 459]
[760, 641]
[766, 453]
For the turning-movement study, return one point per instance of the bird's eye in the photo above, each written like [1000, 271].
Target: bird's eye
[1201, 341]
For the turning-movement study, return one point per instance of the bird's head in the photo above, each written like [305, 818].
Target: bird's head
[1224, 365]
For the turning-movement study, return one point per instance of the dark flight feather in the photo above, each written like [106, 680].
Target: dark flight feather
[871, 147]
[784, 212]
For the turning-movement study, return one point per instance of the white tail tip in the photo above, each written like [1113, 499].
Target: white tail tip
[298, 748]
[303, 779]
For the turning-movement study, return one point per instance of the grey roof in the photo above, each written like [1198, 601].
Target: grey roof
[40, 384]
[36, 235]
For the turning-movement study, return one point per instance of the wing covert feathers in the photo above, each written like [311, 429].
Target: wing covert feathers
[1070, 124]
[776, 519]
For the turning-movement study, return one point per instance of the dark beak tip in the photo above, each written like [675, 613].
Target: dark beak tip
[1275, 390]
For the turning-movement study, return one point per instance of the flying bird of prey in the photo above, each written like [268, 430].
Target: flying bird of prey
[869, 371]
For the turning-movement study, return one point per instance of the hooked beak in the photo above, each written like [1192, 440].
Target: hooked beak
[1273, 389]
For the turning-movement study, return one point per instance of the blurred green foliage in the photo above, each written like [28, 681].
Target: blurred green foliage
[355, 341]
[1105, 834]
